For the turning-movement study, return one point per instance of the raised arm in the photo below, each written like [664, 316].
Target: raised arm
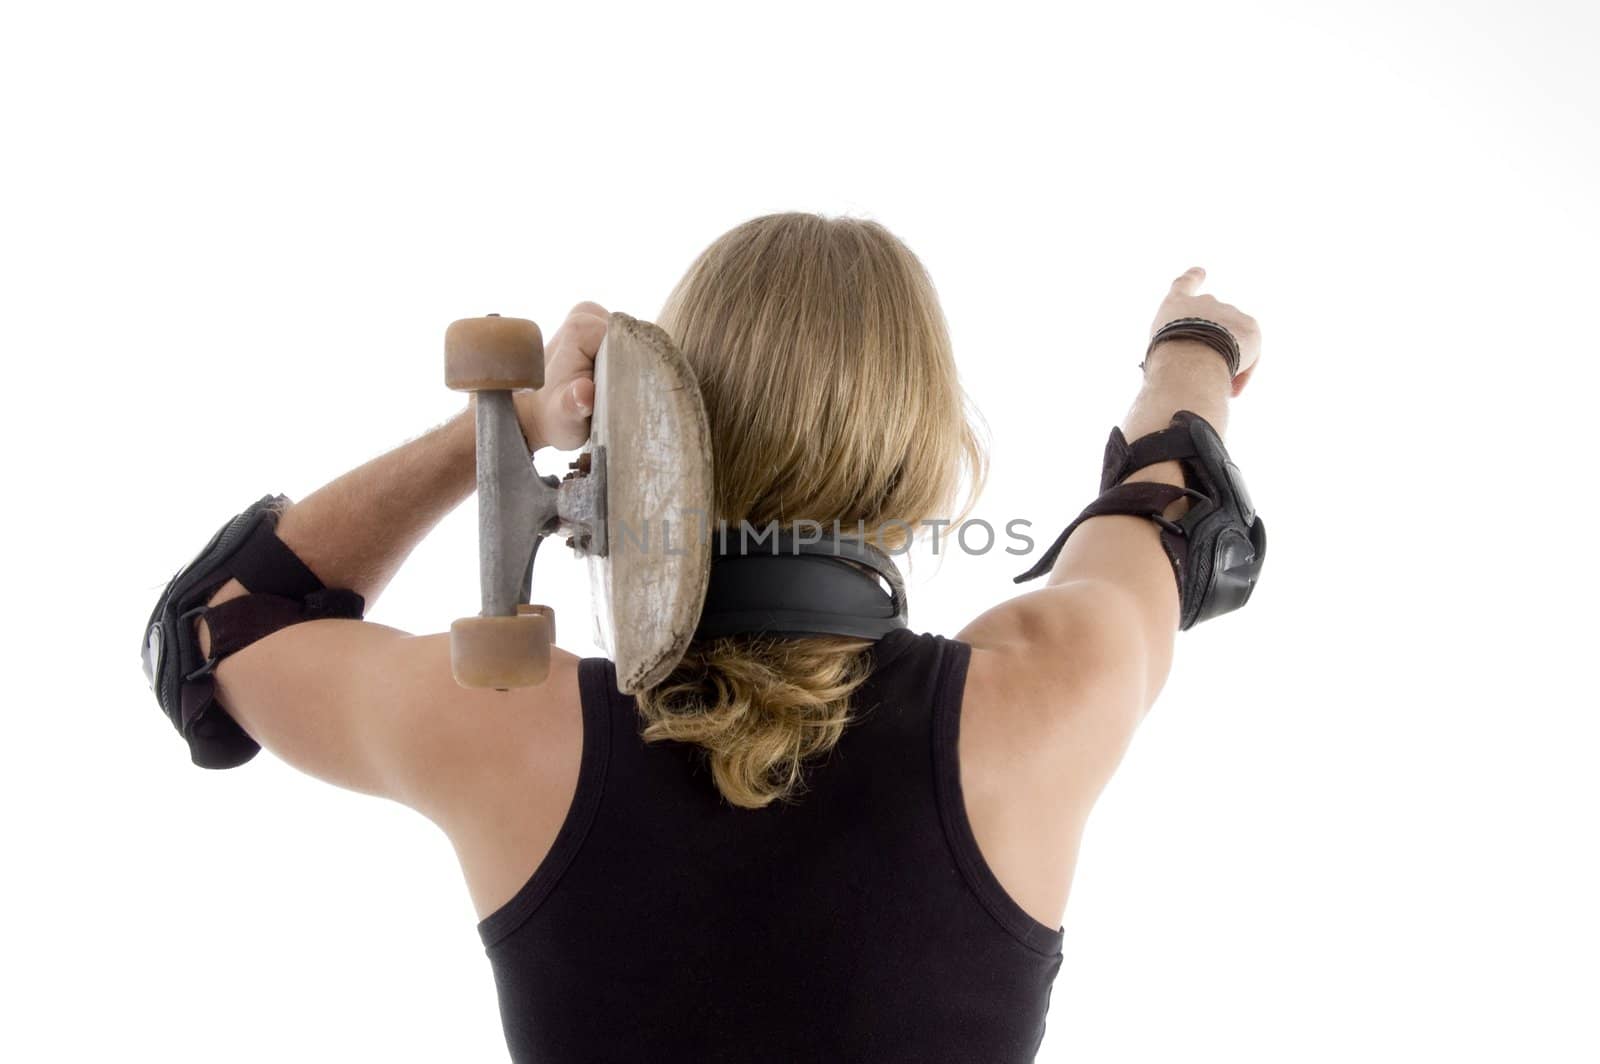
[362, 705]
[1094, 646]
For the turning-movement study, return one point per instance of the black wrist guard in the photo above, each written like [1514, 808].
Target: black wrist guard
[1216, 547]
[283, 592]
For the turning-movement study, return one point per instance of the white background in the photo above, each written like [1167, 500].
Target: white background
[1360, 824]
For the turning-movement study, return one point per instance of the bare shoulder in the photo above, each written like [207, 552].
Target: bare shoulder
[469, 750]
[503, 791]
[1054, 693]
[377, 710]
[1062, 671]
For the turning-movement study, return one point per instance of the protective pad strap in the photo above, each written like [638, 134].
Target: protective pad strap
[237, 623]
[234, 625]
[1173, 443]
[1216, 546]
[282, 591]
[265, 563]
[1142, 498]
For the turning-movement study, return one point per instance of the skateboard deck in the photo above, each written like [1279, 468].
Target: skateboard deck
[650, 441]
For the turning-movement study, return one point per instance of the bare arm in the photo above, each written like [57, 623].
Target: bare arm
[356, 531]
[343, 699]
[1117, 556]
[363, 705]
[1093, 648]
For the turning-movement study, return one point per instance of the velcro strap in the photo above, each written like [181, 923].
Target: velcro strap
[265, 563]
[238, 622]
[1141, 498]
[215, 739]
[195, 699]
[1122, 458]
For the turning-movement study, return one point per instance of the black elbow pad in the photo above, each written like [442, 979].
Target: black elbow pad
[1216, 548]
[283, 591]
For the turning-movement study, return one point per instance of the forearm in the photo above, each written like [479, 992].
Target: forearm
[357, 530]
[1179, 375]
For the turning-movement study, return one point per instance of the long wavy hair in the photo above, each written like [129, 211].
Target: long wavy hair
[827, 371]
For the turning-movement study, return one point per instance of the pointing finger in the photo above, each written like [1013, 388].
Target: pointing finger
[1189, 281]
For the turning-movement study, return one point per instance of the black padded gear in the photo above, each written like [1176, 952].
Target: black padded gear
[1216, 547]
[283, 591]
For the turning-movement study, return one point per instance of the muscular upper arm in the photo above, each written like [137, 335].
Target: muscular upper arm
[1112, 589]
[374, 709]
[1080, 661]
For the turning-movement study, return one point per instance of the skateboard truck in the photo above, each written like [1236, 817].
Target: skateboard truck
[647, 461]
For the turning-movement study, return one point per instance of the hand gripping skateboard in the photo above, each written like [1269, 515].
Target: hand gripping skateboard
[634, 504]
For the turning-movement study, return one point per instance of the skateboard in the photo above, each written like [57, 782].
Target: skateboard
[634, 505]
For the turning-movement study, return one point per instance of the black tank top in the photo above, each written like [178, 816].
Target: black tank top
[858, 923]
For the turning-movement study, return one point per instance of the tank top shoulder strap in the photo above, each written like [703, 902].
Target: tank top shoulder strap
[596, 689]
[948, 697]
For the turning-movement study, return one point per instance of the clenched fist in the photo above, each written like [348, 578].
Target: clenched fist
[557, 415]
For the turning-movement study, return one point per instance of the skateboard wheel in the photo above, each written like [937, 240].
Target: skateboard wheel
[525, 610]
[493, 354]
[501, 652]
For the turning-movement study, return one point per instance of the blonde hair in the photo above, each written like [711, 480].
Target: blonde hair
[827, 371]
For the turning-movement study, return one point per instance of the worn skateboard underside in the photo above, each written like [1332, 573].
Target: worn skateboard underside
[651, 441]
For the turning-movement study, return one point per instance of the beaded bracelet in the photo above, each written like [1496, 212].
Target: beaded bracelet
[1206, 332]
